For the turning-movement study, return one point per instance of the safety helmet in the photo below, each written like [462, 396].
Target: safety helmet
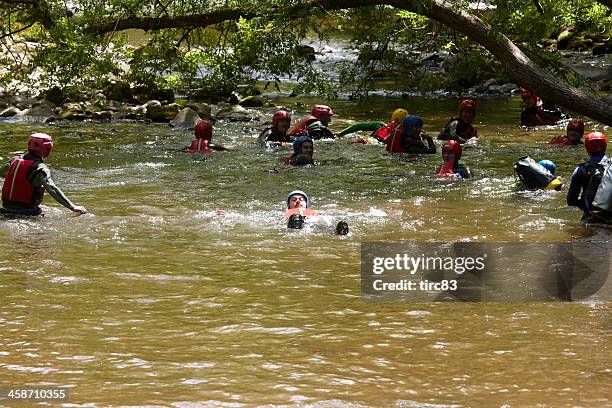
[203, 130]
[399, 114]
[548, 165]
[40, 143]
[452, 146]
[300, 192]
[319, 110]
[595, 142]
[298, 141]
[281, 114]
[526, 93]
[467, 104]
[575, 124]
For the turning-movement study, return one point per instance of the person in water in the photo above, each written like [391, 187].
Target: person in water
[277, 134]
[535, 113]
[586, 178]
[451, 153]
[461, 129]
[380, 130]
[315, 124]
[298, 209]
[573, 136]
[202, 141]
[540, 175]
[303, 150]
[412, 138]
[26, 178]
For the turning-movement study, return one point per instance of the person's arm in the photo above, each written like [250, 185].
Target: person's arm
[450, 132]
[4, 170]
[368, 126]
[42, 178]
[573, 192]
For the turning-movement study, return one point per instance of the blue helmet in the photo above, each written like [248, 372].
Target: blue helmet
[410, 122]
[300, 192]
[297, 143]
[548, 165]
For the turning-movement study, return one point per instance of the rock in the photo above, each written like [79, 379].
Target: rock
[593, 73]
[115, 106]
[508, 88]
[45, 108]
[494, 89]
[203, 109]
[119, 91]
[251, 102]
[9, 112]
[306, 52]
[605, 86]
[152, 103]
[103, 115]
[22, 102]
[55, 95]
[133, 112]
[565, 36]
[580, 44]
[234, 114]
[166, 96]
[164, 113]
[602, 48]
[186, 118]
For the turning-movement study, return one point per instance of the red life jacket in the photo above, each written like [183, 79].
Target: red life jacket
[200, 146]
[445, 170]
[394, 140]
[17, 188]
[561, 141]
[302, 127]
[384, 132]
[467, 133]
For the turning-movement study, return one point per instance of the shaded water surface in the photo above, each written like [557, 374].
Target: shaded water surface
[156, 298]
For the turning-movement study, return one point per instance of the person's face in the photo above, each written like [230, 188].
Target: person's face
[448, 156]
[467, 116]
[282, 125]
[416, 130]
[308, 148]
[574, 135]
[325, 119]
[297, 201]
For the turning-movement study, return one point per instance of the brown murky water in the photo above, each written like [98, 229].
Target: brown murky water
[155, 300]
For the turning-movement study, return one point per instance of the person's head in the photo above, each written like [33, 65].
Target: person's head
[297, 199]
[323, 113]
[412, 125]
[451, 151]
[595, 143]
[303, 145]
[399, 114]
[281, 121]
[548, 165]
[203, 130]
[529, 98]
[467, 110]
[575, 129]
[41, 144]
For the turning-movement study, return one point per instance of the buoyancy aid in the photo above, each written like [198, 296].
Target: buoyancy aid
[18, 189]
[200, 146]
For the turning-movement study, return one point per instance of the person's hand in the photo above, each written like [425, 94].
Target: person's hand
[80, 209]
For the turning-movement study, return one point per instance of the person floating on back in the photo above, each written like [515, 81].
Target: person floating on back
[27, 178]
[303, 150]
[277, 134]
[298, 209]
[451, 153]
[380, 130]
[584, 190]
[573, 136]
[411, 139]
[315, 124]
[540, 175]
[461, 129]
[201, 143]
[535, 113]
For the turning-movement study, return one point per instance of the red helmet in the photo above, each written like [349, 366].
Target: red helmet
[203, 130]
[452, 146]
[526, 93]
[575, 124]
[595, 142]
[40, 143]
[318, 110]
[281, 114]
[467, 104]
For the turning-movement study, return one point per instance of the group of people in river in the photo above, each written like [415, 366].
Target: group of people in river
[27, 177]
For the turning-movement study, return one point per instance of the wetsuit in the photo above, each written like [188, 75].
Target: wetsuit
[271, 137]
[457, 129]
[37, 178]
[415, 145]
[318, 130]
[583, 180]
[537, 116]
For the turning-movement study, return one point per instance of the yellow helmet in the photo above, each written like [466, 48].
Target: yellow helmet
[399, 114]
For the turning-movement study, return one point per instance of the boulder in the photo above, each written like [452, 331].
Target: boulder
[9, 112]
[119, 91]
[234, 114]
[45, 108]
[203, 109]
[602, 48]
[164, 113]
[186, 118]
[306, 52]
[251, 102]
[102, 115]
[55, 95]
[508, 88]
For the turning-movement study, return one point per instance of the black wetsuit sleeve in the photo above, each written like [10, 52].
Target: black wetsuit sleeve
[414, 145]
[573, 193]
[42, 178]
[450, 132]
[4, 170]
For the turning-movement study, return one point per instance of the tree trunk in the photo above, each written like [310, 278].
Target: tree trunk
[519, 67]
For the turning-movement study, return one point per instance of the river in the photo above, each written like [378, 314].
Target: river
[183, 288]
